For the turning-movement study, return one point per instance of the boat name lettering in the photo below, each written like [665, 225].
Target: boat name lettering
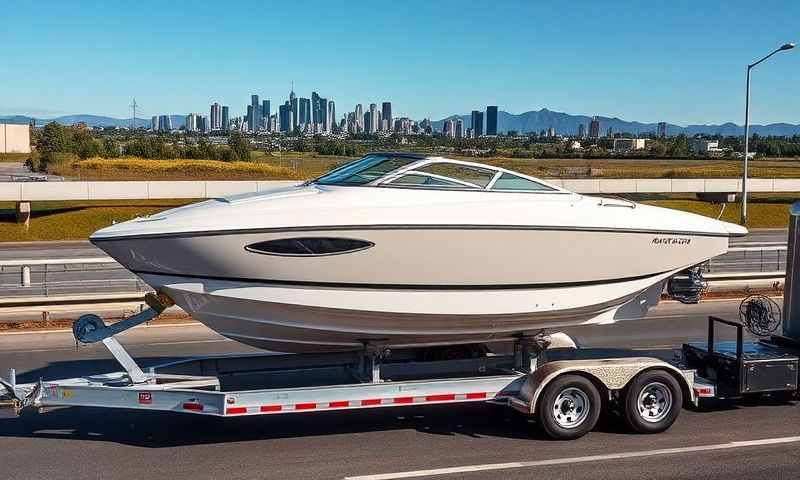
[671, 241]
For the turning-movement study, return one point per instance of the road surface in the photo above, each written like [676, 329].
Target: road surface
[468, 441]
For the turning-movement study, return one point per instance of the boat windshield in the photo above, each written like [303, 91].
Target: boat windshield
[364, 170]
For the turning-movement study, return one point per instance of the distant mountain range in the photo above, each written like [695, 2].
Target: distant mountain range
[564, 123]
[533, 121]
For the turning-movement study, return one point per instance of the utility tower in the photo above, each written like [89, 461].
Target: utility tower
[133, 122]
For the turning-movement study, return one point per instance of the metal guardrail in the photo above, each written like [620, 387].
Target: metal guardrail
[33, 278]
[67, 276]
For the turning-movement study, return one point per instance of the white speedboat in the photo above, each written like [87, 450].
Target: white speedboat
[401, 249]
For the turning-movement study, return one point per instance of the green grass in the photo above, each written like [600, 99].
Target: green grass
[760, 214]
[74, 220]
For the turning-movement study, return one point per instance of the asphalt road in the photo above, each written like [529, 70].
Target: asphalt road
[470, 440]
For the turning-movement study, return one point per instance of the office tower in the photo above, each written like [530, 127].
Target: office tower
[477, 123]
[304, 112]
[386, 114]
[323, 114]
[216, 116]
[373, 118]
[283, 117]
[459, 128]
[491, 120]
[206, 125]
[551, 132]
[254, 118]
[368, 122]
[581, 131]
[154, 123]
[662, 129]
[293, 108]
[594, 128]
[359, 114]
[331, 120]
[265, 109]
[225, 117]
[164, 123]
[316, 117]
[250, 118]
[379, 123]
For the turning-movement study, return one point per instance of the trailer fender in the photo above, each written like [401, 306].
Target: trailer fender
[610, 374]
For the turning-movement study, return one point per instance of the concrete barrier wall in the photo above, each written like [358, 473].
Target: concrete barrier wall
[36, 191]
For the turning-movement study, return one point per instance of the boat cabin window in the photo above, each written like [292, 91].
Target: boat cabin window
[422, 180]
[508, 181]
[364, 170]
[309, 246]
[478, 177]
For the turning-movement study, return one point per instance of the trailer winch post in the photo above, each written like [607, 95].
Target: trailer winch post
[791, 294]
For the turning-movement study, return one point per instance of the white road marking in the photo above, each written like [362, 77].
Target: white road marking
[572, 460]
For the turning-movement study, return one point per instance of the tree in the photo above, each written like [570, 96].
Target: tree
[240, 146]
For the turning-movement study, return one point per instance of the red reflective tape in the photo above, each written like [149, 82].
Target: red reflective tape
[440, 398]
[193, 406]
[341, 404]
[271, 408]
[370, 401]
[305, 406]
[403, 400]
[235, 410]
[475, 395]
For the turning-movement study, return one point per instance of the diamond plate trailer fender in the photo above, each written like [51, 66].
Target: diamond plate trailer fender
[612, 373]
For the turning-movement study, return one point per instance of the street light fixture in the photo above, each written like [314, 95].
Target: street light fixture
[785, 46]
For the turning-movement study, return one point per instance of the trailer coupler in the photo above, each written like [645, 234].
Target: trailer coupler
[90, 328]
[21, 396]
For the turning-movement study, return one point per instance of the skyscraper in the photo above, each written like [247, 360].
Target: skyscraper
[293, 107]
[477, 123]
[154, 123]
[594, 128]
[459, 128]
[323, 114]
[359, 113]
[250, 118]
[316, 115]
[225, 117]
[367, 122]
[386, 116]
[491, 120]
[581, 131]
[191, 122]
[265, 109]
[662, 129]
[216, 116]
[304, 111]
[331, 121]
[373, 118]
[254, 118]
[283, 117]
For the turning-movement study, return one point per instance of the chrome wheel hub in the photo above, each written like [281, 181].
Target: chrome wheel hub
[655, 402]
[571, 407]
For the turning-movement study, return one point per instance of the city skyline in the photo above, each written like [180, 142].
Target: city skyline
[625, 66]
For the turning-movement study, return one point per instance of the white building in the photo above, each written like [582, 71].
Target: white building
[699, 145]
[629, 144]
[15, 138]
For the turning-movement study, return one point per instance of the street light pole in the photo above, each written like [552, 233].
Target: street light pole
[786, 46]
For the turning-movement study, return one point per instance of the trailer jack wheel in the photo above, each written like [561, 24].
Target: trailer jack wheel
[653, 401]
[569, 407]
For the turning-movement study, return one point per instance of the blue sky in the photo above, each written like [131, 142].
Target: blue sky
[679, 61]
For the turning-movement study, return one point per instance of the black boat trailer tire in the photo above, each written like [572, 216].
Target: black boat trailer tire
[652, 402]
[569, 407]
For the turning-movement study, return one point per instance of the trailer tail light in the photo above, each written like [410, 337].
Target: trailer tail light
[193, 406]
[235, 410]
[704, 391]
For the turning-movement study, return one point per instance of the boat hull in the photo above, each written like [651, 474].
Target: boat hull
[313, 319]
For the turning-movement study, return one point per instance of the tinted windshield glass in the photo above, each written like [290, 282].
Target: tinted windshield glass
[513, 182]
[364, 170]
[466, 173]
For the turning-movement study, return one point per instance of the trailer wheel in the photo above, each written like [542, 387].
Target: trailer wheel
[569, 407]
[653, 401]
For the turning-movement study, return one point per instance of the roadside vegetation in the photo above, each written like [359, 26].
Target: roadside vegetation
[73, 220]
